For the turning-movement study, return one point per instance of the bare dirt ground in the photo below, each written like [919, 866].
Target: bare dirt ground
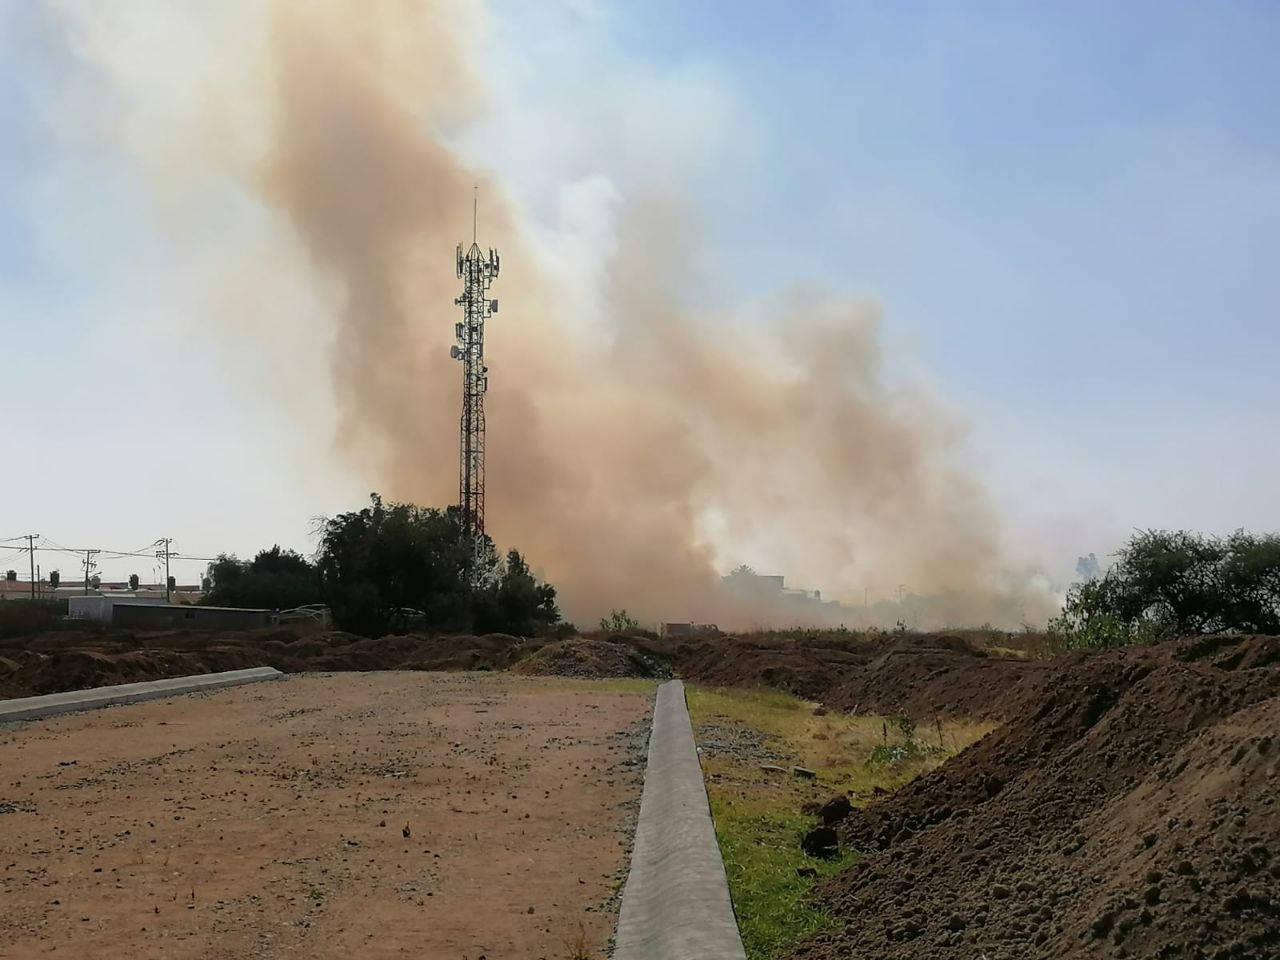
[362, 815]
[74, 659]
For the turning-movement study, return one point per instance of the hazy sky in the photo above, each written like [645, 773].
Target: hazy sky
[1070, 214]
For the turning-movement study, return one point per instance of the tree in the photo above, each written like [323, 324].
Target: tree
[375, 563]
[1250, 579]
[227, 573]
[1088, 568]
[276, 579]
[1174, 583]
[388, 557]
[516, 602]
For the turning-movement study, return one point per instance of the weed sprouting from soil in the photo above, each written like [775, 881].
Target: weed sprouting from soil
[909, 750]
[576, 946]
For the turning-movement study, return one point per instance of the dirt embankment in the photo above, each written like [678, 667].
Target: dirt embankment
[1132, 810]
[916, 674]
[72, 660]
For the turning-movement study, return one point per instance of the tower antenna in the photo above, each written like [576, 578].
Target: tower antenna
[476, 270]
[475, 211]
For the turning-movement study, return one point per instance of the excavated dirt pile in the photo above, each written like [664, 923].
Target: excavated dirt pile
[1132, 810]
[594, 659]
[916, 674]
[72, 660]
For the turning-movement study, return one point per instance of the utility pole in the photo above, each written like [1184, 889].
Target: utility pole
[89, 564]
[166, 541]
[31, 549]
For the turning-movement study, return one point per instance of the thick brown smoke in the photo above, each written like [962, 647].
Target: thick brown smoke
[615, 458]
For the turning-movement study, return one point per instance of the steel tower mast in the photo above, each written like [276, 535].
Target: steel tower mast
[477, 271]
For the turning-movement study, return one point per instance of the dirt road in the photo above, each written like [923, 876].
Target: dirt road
[359, 815]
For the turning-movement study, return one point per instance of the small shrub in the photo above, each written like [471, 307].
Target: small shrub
[618, 621]
[892, 754]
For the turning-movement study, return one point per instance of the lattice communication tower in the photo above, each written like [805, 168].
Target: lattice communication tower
[477, 271]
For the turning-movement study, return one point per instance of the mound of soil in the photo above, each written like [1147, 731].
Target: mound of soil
[1131, 811]
[916, 674]
[920, 675]
[595, 659]
[72, 660]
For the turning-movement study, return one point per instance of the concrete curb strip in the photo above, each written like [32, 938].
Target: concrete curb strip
[33, 708]
[676, 903]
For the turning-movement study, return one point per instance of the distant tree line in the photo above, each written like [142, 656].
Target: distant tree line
[1174, 583]
[396, 566]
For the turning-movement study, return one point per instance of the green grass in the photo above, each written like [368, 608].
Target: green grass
[757, 814]
[761, 850]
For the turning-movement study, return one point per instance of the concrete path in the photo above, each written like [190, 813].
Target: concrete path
[676, 903]
[33, 708]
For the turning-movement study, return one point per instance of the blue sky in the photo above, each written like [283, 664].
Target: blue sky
[1091, 187]
[1069, 212]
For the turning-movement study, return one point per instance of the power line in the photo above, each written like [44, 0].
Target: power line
[48, 545]
[116, 554]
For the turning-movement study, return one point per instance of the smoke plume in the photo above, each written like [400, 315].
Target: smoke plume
[635, 445]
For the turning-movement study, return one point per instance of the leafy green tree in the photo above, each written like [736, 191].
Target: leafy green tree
[377, 563]
[516, 602]
[276, 579]
[1250, 578]
[1167, 583]
[389, 557]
